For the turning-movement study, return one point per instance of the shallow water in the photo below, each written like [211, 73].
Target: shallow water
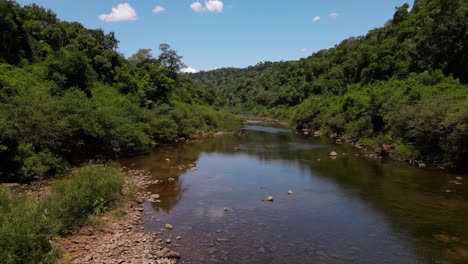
[347, 210]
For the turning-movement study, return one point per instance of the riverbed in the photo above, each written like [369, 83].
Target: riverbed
[347, 209]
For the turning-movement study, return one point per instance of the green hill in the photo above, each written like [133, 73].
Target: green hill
[67, 96]
[403, 83]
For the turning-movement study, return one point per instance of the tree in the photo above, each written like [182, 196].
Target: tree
[142, 57]
[170, 59]
[71, 69]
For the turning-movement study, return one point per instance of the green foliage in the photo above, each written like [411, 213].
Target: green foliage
[26, 230]
[90, 190]
[66, 96]
[71, 69]
[28, 225]
[404, 82]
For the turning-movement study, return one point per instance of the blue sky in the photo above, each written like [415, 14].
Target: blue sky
[228, 33]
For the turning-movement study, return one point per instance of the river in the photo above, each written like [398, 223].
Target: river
[344, 210]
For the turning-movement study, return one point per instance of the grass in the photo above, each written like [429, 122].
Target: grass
[28, 225]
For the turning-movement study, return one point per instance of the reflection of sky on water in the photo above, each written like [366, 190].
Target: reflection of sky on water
[211, 213]
[337, 205]
[271, 130]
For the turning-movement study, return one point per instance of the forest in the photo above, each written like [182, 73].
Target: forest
[403, 84]
[70, 102]
[67, 96]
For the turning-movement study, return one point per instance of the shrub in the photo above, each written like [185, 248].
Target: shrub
[90, 190]
[28, 225]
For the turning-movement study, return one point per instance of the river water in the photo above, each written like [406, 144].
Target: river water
[344, 210]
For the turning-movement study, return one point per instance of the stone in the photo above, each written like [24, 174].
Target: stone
[212, 250]
[422, 165]
[171, 179]
[333, 154]
[168, 227]
[290, 192]
[168, 241]
[270, 198]
[167, 253]
[178, 238]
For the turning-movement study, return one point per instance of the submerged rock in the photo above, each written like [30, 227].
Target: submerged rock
[166, 253]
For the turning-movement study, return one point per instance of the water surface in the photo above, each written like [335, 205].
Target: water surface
[344, 210]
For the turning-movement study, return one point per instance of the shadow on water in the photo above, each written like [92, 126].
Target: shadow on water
[348, 210]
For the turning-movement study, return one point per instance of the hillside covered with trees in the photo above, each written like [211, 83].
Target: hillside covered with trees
[404, 83]
[67, 95]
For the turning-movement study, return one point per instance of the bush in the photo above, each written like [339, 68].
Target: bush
[90, 190]
[26, 230]
[28, 225]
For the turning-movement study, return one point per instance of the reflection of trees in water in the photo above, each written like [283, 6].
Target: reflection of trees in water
[402, 193]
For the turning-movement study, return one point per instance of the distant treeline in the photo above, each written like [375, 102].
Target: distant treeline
[403, 83]
[66, 95]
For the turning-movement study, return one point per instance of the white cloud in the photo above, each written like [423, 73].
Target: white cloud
[316, 18]
[214, 6]
[197, 7]
[333, 15]
[122, 12]
[188, 70]
[210, 6]
[304, 50]
[159, 9]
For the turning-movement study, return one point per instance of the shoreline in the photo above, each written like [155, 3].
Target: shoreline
[375, 153]
[118, 235]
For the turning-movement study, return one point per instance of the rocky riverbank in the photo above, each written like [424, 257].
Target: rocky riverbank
[374, 153]
[118, 236]
[249, 120]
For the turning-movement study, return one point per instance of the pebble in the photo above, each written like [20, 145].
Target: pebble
[168, 227]
[290, 192]
[270, 198]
